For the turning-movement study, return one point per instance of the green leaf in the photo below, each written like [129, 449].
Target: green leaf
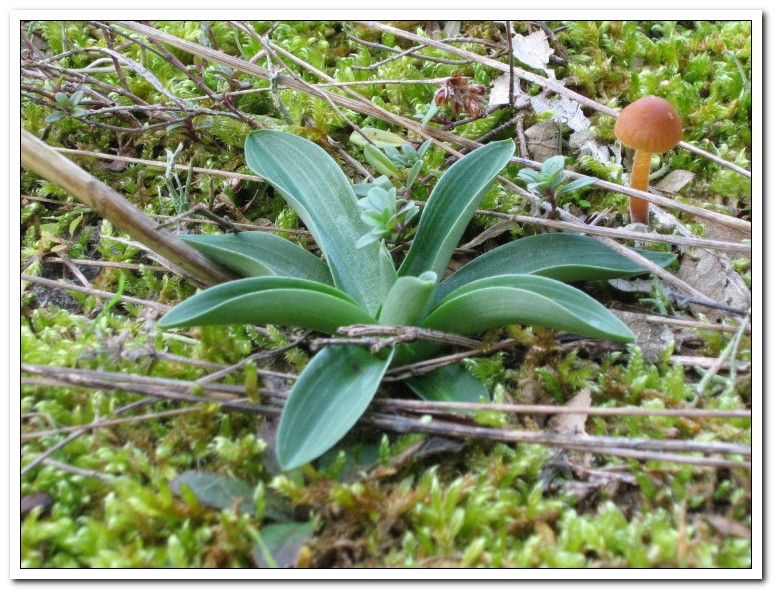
[451, 206]
[380, 161]
[224, 492]
[378, 136]
[564, 257]
[525, 299]
[55, 116]
[576, 185]
[279, 544]
[431, 112]
[313, 184]
[368, 239]
[388, 274]
[329, 397]
[452, 383]
[216, 490]
[284, 301]
[62, 99]
[407, 300]
[423, 148]
[257, 254]
[415, 171]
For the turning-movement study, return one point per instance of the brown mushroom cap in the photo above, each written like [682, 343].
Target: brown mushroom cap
[650, 124]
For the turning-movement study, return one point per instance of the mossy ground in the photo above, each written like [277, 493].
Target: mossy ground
[484, 504]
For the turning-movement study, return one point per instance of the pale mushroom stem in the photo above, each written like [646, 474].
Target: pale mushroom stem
[640, 180]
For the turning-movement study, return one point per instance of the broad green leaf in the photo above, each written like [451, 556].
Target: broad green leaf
[378, 136]
[217, 490]
[284, 301]
[407, 300]
[450, 207]
[224, 492]
[329, 397]
[313, 184]
[529, 300]
[279, 544]
[564, 257]
[452, 383]
[257, 254]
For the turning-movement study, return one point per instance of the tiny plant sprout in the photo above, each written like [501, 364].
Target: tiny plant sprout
[649, 125]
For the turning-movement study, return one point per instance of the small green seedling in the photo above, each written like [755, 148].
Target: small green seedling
[68, 105]
[386, 215]
[551, 184]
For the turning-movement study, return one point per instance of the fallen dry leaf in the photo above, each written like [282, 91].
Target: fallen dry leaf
[675, 181]
[544, 140]
[652, 338]
[711, 273]
[533, 50]
[572, 423]
[728, 527]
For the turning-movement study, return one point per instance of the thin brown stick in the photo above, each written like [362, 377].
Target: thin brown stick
[445, 407]
[705, 362]
[107, 423]
[603, 444]
[645, 449]
[107, 264]
[424, 367]
[94, 292]
[655, 269]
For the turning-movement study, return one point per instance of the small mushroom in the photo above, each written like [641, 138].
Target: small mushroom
[649, 125]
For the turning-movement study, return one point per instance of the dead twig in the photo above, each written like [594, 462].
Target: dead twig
[95, 292]
[230, 396]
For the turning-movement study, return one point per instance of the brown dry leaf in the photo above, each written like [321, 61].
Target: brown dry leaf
[533, 50]
[544, 139]
[728, 527]
[718, 231]
[40, 500]
[572, 423]
[712, 274]
[675, 181]
[652, 338]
